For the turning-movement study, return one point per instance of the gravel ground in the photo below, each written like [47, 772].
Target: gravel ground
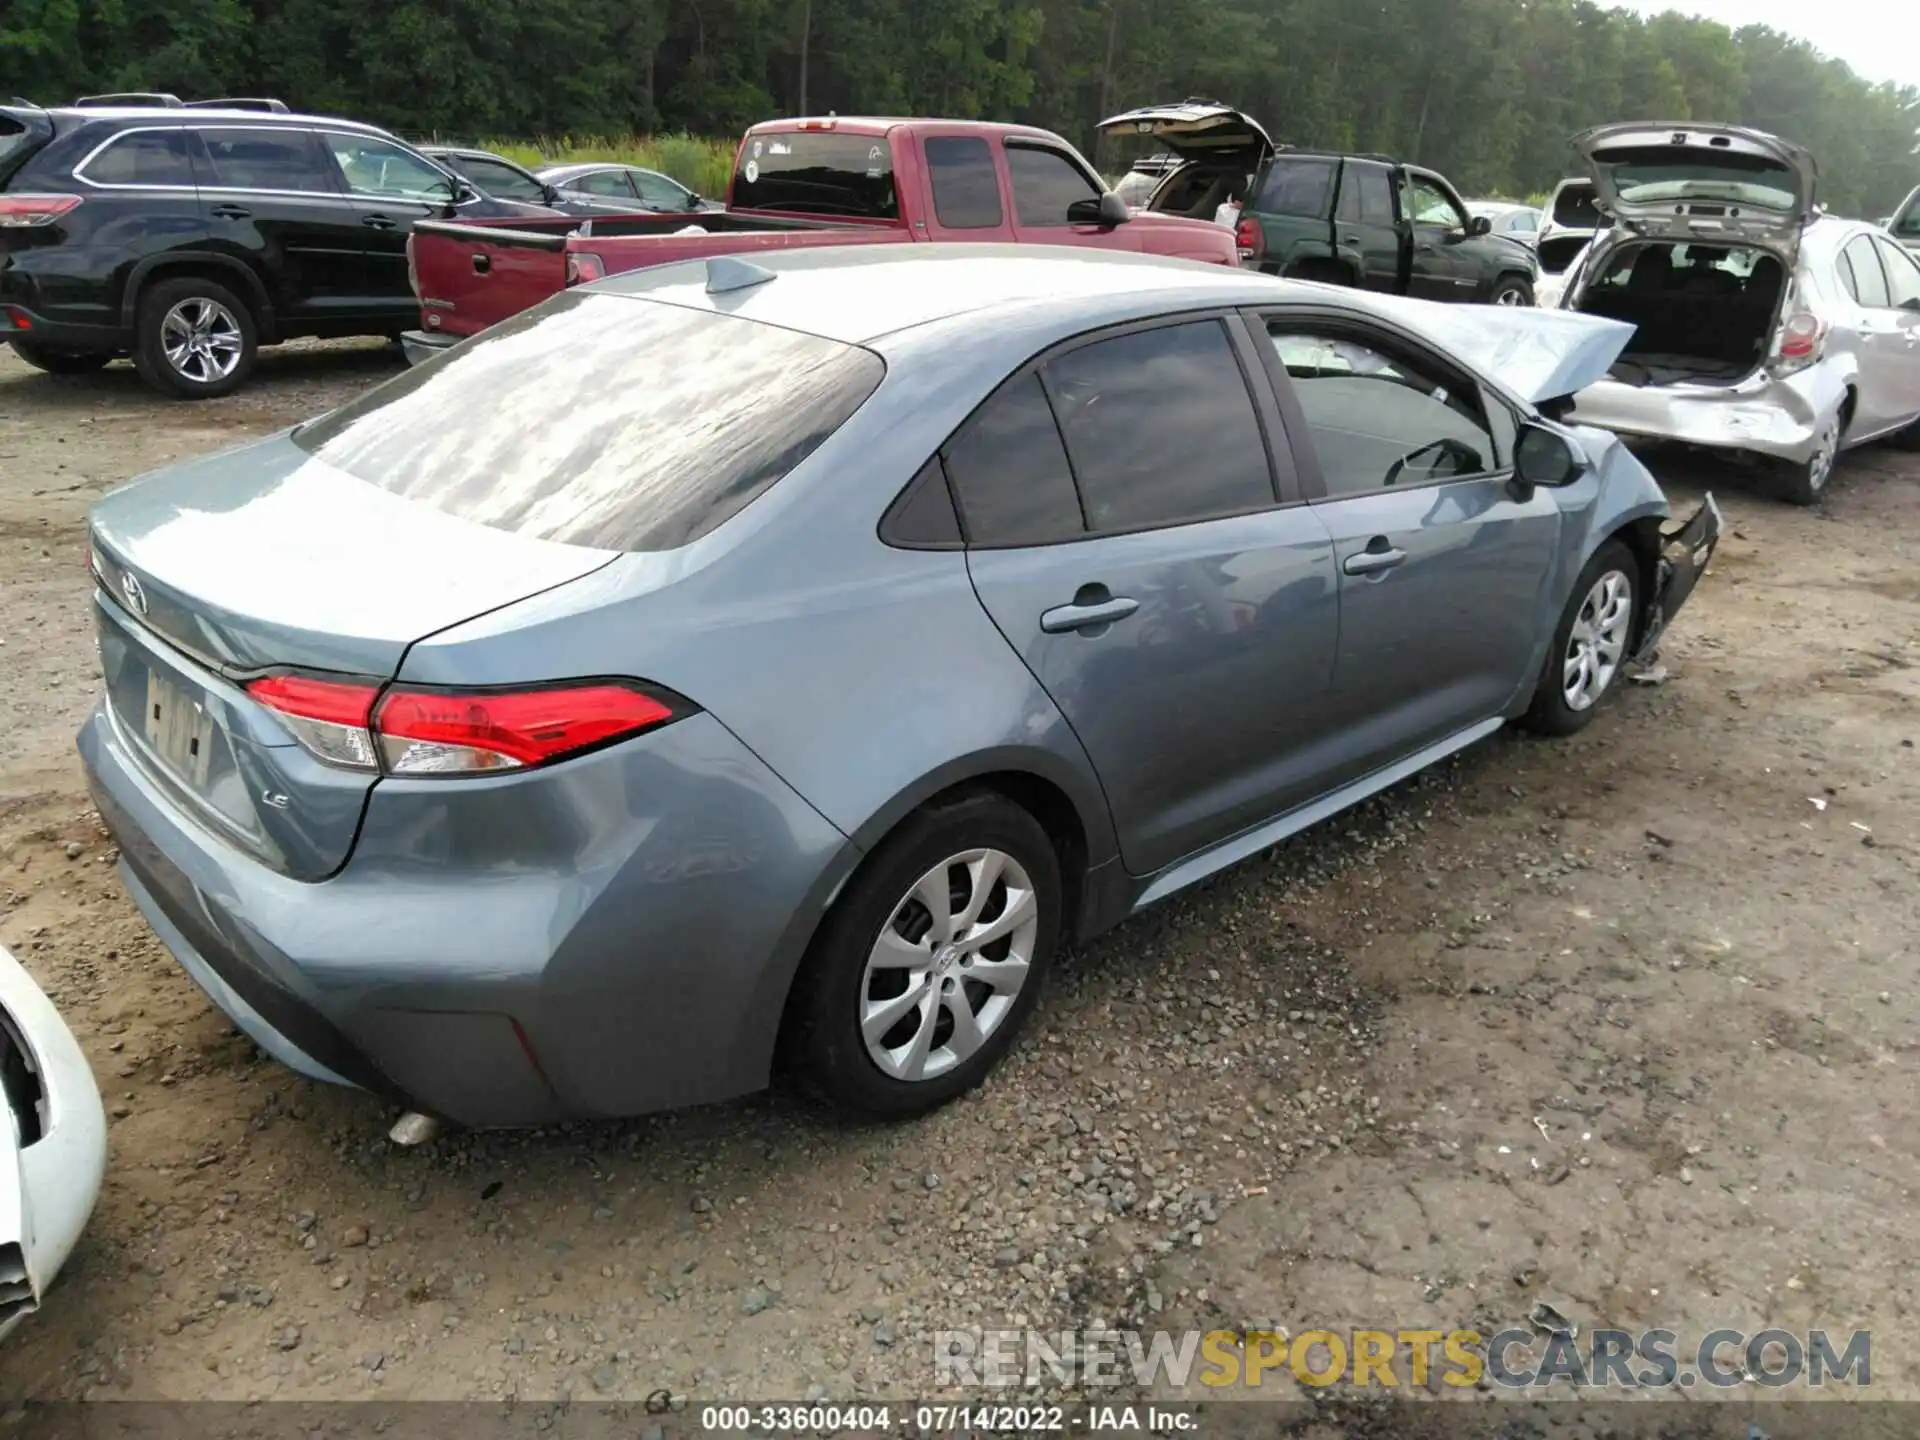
[1624, 1023]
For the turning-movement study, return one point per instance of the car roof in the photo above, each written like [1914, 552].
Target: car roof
[188, 119]
[857, 294]
[883, 124]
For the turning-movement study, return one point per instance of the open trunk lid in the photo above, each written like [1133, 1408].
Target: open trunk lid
[1702, 182]
[1197, 130]
[23, 129]
[270, 559]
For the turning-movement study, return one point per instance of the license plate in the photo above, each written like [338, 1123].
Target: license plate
[179, 731]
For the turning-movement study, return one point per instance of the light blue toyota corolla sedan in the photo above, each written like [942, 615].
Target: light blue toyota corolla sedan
[731, 661]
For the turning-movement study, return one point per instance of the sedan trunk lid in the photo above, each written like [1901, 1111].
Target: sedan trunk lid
[270, 559]
[1703, 182]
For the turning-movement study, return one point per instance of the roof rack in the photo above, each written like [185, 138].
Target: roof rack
[241, 102]
[155, 98]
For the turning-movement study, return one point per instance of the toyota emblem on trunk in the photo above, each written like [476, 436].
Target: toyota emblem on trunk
[136, 596]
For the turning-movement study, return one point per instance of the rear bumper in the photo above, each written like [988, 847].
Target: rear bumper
[425, 344]
[48, 1187]
[1779, 418]
[17, 322]
[607, 937]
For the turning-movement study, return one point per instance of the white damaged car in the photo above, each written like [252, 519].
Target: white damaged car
[53, 1142]
[1762, 327]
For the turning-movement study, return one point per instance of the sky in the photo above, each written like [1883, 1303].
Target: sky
[1880, 39]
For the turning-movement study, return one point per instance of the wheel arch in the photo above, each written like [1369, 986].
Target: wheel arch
[207, 265]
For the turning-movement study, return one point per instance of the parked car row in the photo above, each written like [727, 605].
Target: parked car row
[186, 235]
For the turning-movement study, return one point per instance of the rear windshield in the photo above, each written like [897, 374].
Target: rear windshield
[601, 420]
[1297, 187]
[1574, 208]
[1653, 174]
[817, 173]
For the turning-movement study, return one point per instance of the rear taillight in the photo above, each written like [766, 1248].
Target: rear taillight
[26, 211]
[1802, 341]
[457, 732]
[584, 266]
[413, 270]
[1247, 236]
[330, 717]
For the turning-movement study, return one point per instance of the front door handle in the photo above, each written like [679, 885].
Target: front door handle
[232, 212]
[1094, 607]
[376, 222]
[1371, 561]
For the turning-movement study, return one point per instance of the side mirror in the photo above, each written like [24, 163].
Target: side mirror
[1109, 210]
[1543, 457]
[1479, 225]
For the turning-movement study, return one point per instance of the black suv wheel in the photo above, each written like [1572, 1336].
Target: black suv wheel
[193, 337]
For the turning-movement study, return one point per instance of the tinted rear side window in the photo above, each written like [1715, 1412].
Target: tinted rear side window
[1009, 471]
[270, 160]
[1375, 184]
[143, 157]
[812, 173]
[1297, 187]
[602, 420]
[966, 191]
[1161, 428]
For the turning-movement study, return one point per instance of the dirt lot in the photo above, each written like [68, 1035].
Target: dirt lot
[1625, 1024]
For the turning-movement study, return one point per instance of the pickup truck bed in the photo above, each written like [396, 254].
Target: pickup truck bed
[834, 181]
[470, 275]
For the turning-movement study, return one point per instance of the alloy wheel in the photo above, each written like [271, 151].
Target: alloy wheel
[1508, 296]
[1826, 449]
[1598, 641]
[202, 340]
[948, 965]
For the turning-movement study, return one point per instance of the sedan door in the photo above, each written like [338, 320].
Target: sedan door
[1444, 266]
[271, 196]
[1903, 295]
[1441, 555]
[1882, 335]
[391, 188]
[1124, 533]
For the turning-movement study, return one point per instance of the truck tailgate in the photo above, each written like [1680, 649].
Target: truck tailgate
[471, 276]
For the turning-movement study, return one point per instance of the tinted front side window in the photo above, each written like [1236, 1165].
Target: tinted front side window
[1378, 420]
[817, 173]
[143, 157]
[1045, 184]
[1869, 282]
[610, 183]
[503, 182]
[373, 167]
[1297, 187]
[1161, 428]
[1009, 471]
[601, 420]
[1431, 206]
[966, 191]
[269, 160]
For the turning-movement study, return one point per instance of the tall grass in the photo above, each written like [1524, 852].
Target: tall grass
[700, 164]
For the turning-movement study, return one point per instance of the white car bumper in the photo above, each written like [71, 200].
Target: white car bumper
[53, 1142]
[1762, 416]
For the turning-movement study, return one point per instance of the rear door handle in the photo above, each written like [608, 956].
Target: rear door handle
[1372, 562]
[376, 222]
[232, 212]
[1093, 607]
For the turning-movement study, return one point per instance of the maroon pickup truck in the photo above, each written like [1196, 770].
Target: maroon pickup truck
[836, 181]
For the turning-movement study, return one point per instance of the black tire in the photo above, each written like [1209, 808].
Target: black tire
[58, 362]
[823, 1040]
[1551, 713]
[1804, 482]
[1511, 290]
[157, 301]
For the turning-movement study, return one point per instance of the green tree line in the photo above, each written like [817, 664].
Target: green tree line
[1485, 90]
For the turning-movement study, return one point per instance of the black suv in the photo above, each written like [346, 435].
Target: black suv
[187, 235]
